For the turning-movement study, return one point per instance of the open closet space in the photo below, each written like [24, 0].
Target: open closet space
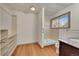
[8, 29]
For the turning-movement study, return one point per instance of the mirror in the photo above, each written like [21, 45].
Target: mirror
[62, 21]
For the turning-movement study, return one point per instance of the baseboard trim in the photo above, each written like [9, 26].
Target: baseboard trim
[27, 43]
[31, 43]
[13, 50]
[41, 46]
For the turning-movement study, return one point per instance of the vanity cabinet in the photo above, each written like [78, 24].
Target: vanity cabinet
[68, 50]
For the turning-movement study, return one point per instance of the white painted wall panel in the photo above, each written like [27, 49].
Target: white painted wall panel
[26, 28]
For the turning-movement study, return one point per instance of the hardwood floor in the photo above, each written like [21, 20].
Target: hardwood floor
[34, 50]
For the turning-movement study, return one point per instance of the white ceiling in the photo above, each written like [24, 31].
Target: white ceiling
[50, 8]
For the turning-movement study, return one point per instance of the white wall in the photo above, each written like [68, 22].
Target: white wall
[74, 22]
[14, 23]
[26, 28]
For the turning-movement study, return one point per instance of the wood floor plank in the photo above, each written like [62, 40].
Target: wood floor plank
[34, 50]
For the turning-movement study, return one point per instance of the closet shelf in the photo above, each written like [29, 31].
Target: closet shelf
[4, 37]
[11, 35]
[9, 42]
[3, 29]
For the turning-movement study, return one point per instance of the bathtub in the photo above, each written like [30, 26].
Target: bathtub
[47, 42]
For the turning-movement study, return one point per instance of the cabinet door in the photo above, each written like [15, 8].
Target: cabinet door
[67, 50]
[64, 49]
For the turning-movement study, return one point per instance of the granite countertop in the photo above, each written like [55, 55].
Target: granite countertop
[73, 42]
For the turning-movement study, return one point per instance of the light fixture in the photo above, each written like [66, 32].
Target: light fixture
[32, 8]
